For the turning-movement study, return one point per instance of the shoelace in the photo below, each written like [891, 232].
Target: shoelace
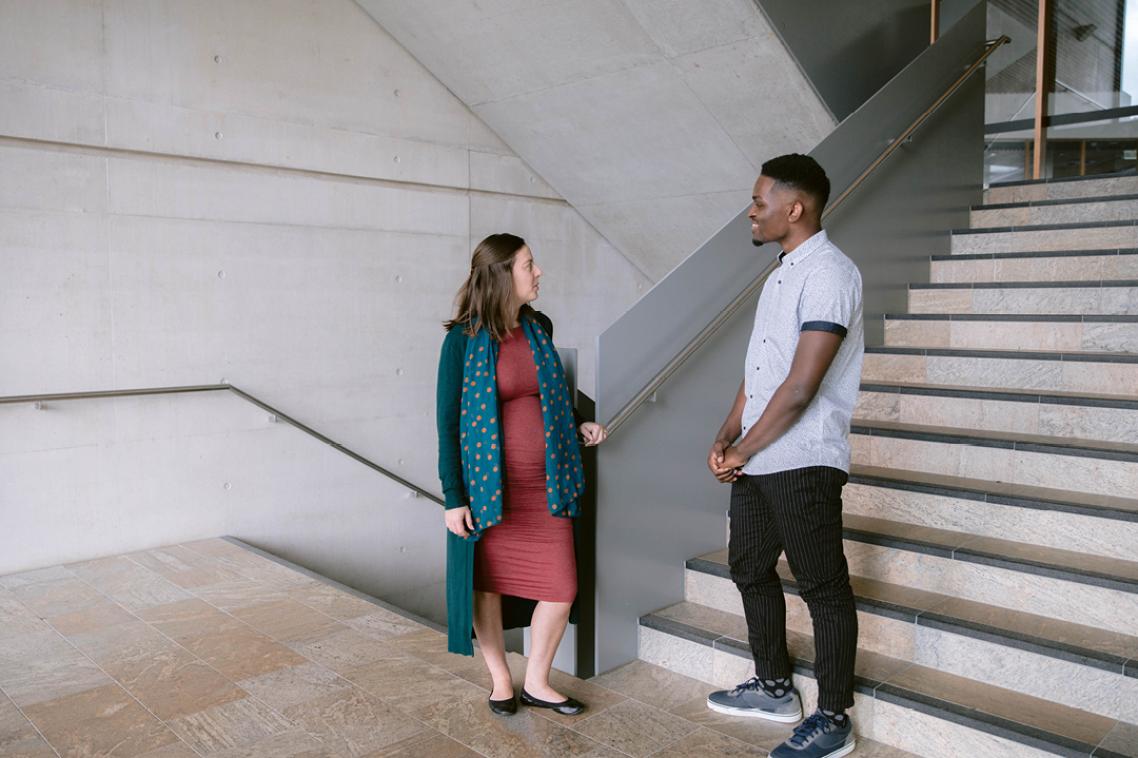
[816, 722]
[754, 683]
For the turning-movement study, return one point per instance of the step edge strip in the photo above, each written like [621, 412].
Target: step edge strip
[1001, 395]
[1054, 201]
[1127, 174]
[985, 496]
[867, 429]
[1105, 252]
[969, 231]
[1041, 318]
[1016, 355]
[1042, 285]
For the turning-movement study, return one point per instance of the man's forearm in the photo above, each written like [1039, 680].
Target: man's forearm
[786, 406]
[733, 426]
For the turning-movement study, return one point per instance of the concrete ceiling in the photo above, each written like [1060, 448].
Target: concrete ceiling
[651, 117]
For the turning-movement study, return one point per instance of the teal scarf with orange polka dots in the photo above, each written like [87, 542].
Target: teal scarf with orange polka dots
[481, 434]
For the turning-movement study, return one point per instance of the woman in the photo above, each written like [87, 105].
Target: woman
[510, 467]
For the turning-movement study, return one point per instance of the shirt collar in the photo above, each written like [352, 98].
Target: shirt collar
[815, 242]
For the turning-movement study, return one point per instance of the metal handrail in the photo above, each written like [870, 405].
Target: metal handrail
[277, 415]
[650, 389]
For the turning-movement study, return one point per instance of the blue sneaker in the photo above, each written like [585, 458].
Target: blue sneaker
[751, 700]
[818, 737]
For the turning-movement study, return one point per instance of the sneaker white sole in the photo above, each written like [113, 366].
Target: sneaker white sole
[752, 713]
[843, 750]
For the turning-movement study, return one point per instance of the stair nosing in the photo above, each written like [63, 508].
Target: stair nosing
[1018, 317]
[1064, 284]
[1092, 253]
[1024, 355]
[934, 618]
[1035, 443]
[965, 555]
[959, 713]
[1062, 502]
[1063, 180]
[961, 552]
[1118, 224]
[1054, 201]
[1119, 402]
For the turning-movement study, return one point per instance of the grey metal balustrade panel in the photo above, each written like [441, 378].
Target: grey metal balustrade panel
[658, 504]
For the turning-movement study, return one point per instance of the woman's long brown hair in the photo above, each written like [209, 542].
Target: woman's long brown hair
[486, 297]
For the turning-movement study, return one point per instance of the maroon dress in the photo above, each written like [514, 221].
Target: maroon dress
[530, 553]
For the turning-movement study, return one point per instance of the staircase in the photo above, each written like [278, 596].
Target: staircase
[992, 512]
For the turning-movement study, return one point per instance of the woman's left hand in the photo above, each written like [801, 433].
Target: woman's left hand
[593, 433]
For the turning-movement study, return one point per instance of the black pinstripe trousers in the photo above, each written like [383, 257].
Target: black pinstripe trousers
[799, 511]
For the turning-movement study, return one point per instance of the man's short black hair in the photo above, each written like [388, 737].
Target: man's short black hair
[802, 173]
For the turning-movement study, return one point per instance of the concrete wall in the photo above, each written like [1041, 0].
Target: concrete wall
[270, 192]
[850, 50]
[96, 477]
[651, 117]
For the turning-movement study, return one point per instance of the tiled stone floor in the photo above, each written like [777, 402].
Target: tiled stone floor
[210, 648]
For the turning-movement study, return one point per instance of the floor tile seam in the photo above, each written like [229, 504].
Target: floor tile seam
[332, 583]
[573, 725]
[201, 661]
[196, 658]
[698, 727]
[253, 579]
[131, 557]
[31, 723]
[157, 575]
[886, 680]
[407, 714]
[235, 569]
[1101, 742]
[349, 685]
[122, 686]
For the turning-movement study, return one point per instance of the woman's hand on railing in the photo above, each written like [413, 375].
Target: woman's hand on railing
[459, 521]
[593, 433]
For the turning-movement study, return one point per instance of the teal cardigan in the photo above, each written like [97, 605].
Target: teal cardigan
[516, 611]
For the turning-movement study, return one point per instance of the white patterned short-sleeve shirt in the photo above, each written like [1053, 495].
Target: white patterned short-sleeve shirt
[815, 288]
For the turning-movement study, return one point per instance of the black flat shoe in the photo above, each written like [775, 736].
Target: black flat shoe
[507, 707]
[567, 707]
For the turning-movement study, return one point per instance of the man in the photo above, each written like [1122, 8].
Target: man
[785, 450]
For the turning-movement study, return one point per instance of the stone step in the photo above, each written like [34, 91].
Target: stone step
[906, 705]
[1060, 584]
[1046, 371]
[1001, 331]
[1091, 297]
[1098, 525]
[1061, 189]
[1070, 463]
[1031, 654]
[1110, 418]
[1061, 211]
[1097, 235]
[661, 702]
[1098, 266]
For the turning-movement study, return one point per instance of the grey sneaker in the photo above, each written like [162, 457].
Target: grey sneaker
[818, 737]
[751, 700]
